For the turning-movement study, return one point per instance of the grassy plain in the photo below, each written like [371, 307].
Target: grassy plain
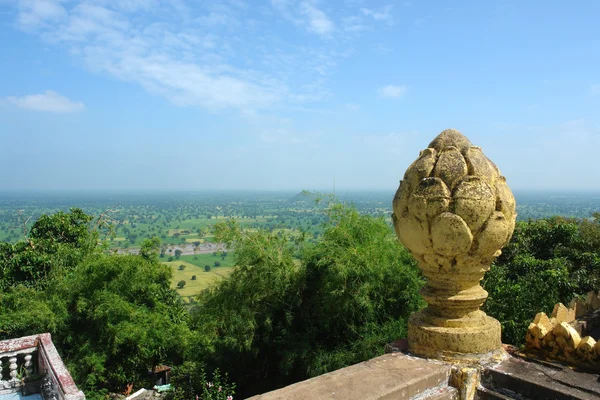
[203, 279]
[200, 260]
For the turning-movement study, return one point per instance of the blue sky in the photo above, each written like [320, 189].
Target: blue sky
[283, 94]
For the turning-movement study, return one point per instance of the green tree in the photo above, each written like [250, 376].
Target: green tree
[55, 244]
[98, 307]
[292, 310]
[110, 304]
[150, 248]
[547, 261]
[206, 268]
[178, 254]
[181, 267]
[181, 284]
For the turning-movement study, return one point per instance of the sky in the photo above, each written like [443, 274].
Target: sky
[292, 95]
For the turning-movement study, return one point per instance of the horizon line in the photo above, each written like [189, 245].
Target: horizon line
[291, 190]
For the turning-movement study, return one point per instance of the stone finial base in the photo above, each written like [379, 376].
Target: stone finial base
[470, 339]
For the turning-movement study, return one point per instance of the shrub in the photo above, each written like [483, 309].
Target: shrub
[190, 380]
[547, 261]
[293, 310]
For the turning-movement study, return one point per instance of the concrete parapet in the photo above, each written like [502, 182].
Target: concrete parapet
[391, 376]
[567, 335]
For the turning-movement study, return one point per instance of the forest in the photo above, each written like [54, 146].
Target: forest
[312, 284]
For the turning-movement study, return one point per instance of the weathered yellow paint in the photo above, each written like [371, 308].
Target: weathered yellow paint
[454, 212]
[559, 338]
[466, 380]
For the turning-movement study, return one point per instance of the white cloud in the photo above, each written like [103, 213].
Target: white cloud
[393, 91]
[136, 5]
[35, 13]
[318, 22]
[184, 64]
[189, 84]
[383, 14]
[307, 15]
[205, 56]
[217, 18]
[352, 107]
[353, 24]
[49, 101]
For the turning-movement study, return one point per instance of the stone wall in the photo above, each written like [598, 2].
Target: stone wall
[567, 335]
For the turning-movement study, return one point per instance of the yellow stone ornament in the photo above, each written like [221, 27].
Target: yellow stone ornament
[454, 212]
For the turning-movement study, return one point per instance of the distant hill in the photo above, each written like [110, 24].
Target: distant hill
[304, 197]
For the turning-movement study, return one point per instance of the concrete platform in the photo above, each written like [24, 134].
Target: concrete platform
[517, 378]
[391, 376]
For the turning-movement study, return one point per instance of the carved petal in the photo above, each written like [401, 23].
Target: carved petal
[505, 201]
[430, 199]
[493, 235]
[474, 201]
[420, 169]
[479, 165]
[585, 350]
[451, 166]
[450, 235]
[451, 137]
[566, 331]
[413, 234]
[400, 202]
[597, 348]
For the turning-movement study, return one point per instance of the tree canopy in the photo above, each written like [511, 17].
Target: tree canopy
[55, 243]
[112, 317]
[292, 310]
[547, 261]
[293, 307]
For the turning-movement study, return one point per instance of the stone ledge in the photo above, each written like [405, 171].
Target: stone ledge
[519, 378]
[391, 376]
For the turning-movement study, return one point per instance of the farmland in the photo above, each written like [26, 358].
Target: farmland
[202, 281]
[199, 272]
[184, 221]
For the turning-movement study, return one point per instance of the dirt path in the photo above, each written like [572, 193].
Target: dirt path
[186, 249]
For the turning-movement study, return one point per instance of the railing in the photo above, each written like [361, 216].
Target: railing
[34, 361]
[16, 363]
